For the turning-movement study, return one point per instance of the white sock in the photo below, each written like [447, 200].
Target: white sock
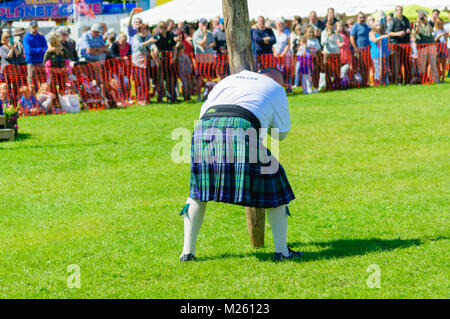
[193, 219]
[278, 220]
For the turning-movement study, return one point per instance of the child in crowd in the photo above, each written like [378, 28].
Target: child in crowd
[56, 57]
[4, 97]
[112, 94]
[345, 54]
[314, 48]
[305, 62]
[414, 56]
[440, 36]
[185, 71]
[28, 103]
[45, 97]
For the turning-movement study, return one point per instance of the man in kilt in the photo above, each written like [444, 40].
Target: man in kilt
[229, 162]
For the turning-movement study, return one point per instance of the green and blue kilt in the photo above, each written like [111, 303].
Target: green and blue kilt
[239, 181]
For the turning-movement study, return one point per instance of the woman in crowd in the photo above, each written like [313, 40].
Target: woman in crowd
[57, 64]
[379, 52]
[282, 50]
[295, 43]
[6, 52]
[305, 66]
[345, 53]
[426, 48]
[141, 60]
[121, 48]
[440, 36]
[185, 71]
[315, 49]
[331, 43]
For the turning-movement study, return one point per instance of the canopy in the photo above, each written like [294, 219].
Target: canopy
[193, 10]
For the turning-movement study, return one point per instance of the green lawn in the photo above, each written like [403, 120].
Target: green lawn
[369, 167]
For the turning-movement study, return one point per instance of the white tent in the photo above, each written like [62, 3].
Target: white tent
[193, 10]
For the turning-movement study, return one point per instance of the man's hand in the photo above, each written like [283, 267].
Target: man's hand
[266, 40]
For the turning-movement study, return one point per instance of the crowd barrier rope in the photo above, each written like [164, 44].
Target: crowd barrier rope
[405, 64]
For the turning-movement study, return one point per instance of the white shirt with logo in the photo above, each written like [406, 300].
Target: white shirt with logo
[257, 93]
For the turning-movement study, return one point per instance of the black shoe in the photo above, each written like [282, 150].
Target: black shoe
[292, 254]
[187, 257]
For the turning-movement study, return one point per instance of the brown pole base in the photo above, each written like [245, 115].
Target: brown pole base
[256, 222]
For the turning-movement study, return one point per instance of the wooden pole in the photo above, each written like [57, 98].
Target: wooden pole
[240, 56]
[237, 31]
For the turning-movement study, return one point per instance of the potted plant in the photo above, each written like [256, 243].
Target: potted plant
[11, 115]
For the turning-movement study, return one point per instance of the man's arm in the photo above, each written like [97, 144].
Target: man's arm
[130, 20]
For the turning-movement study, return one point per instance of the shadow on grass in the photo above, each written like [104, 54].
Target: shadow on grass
[22, 136]
[336, 249]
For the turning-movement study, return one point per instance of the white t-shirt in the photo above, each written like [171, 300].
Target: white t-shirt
[282, 42]
[255, 92]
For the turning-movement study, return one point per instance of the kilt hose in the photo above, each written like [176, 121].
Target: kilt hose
[240, 181]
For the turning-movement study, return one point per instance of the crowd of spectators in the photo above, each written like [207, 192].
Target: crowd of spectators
[325, 53]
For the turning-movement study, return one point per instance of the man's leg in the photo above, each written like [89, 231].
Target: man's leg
[193, 219]
[278, 220]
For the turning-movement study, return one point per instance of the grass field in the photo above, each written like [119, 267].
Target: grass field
[369, 167]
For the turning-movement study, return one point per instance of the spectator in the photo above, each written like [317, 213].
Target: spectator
[315, 49]
[330, 18]
[92, 45]
[222, 68]
[185, 70]
[28, 103]
[56, 57]
[1, 107]
[371, 21]
[4, 97]
[34, 45]
[215, 24]
[185, 37]
[296, 22]
[110, 40]
[220, 38]
[426, 51]
[359, 39]
[263, 38]
[133, 25]
[170, 26]
[317, 25]
[401, 26]
[68, 44]
[305, 65]
[447, 29]
[434, 16]
[45, 97]
[121, 48]
[141, 60]
[379, 52]
[331, 43]
[345, 52]
[104, 31]
[440, 36]
[6, 52]
[281, 48]
[165, 42]
[93, 49]
[18, 56]
[350, 22]
[295, 43]
[112, 94]
[414, 59]
[204, 44]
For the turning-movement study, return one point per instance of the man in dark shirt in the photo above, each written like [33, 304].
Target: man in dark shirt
[434, 16]
[263, 38]
[68, 44]
[317, 25]
[401, 24]
[222, 68]
[165, 41]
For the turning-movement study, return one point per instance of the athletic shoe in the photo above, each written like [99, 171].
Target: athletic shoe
[187, 257]
[292, 254]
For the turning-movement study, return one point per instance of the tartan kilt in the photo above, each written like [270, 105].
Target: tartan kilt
[238, 182]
